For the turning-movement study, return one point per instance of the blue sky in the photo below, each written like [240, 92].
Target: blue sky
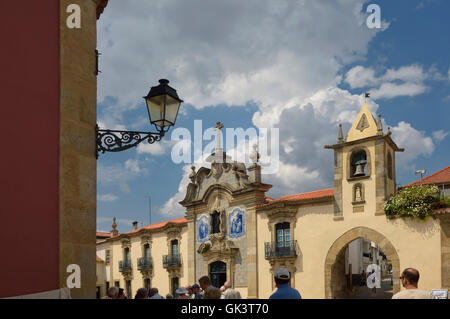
[300, 66]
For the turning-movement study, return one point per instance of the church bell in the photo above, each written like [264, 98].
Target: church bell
[359, 171]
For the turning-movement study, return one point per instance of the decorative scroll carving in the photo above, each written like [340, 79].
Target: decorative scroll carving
[204, 247]
[126, 243]
[217, 170]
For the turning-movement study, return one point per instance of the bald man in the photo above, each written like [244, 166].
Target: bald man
[410, 280]
[230, 293]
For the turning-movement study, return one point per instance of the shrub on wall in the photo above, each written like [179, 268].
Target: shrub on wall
[415, 202]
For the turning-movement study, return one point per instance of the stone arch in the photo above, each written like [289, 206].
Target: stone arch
[350, 155]
[337, 248]
[223, 190]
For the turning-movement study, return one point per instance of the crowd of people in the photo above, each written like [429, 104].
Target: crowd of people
[205, 290]
[202, 290]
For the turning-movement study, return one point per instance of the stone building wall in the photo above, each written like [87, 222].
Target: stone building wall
[77, 162]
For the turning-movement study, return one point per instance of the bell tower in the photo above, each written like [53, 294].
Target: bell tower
[364, 167]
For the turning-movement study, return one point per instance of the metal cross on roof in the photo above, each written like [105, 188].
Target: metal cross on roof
[218, 127]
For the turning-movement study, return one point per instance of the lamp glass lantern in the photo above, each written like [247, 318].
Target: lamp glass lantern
[163, 104]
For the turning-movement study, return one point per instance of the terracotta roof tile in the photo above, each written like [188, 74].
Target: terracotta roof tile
[441, 211]
[323, 193]
[439, 177]
[103, 234]
[158, 225]
[99, 259]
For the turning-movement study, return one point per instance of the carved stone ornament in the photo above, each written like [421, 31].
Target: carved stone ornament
[127, 276]
[204, 247]
[126, 243]
[192, 175]
[217, 170]
[363, 123]
[173, 232]
[146, 238]
[147, 273]
[217, 248]
[241, 175]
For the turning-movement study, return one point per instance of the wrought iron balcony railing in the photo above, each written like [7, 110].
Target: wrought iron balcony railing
[124, 265]
[171, 261]
[275, 250]
[144, 263]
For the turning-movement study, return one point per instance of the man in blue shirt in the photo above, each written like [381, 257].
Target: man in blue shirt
[284, 291]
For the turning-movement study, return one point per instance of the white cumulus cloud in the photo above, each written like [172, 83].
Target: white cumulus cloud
[286, 56]
[405, 81]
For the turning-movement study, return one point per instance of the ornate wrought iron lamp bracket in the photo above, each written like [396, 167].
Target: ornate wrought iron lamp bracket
[116, 140]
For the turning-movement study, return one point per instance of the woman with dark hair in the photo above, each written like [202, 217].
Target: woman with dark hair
[121, 294]
[141, 294]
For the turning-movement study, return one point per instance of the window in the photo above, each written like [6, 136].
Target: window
[174, 244]
[117, 284]
[283, 234]
[127, 256]
[107, 286]
[283, 239]
[107, 256]
[147, 251]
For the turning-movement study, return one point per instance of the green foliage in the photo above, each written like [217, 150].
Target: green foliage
[415, 202]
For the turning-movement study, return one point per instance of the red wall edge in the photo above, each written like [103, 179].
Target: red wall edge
[29, 118]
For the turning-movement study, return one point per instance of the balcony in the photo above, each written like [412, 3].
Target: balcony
[368, 255]
[144, 263]
[125, 266]
[273, 251]
[171, 261]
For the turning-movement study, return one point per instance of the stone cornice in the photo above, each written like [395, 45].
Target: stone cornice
[252, 187]
[281, 211]
[148, 232]
[286, 204]
[386, 137]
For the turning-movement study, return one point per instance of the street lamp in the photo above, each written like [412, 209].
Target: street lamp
[163, 104]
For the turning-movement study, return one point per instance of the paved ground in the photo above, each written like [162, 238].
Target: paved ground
[385, 292]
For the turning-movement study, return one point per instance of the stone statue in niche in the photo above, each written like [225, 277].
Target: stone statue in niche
[215, 223]
[358, 196]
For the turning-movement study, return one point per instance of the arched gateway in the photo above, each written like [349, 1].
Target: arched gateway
[335, 281]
